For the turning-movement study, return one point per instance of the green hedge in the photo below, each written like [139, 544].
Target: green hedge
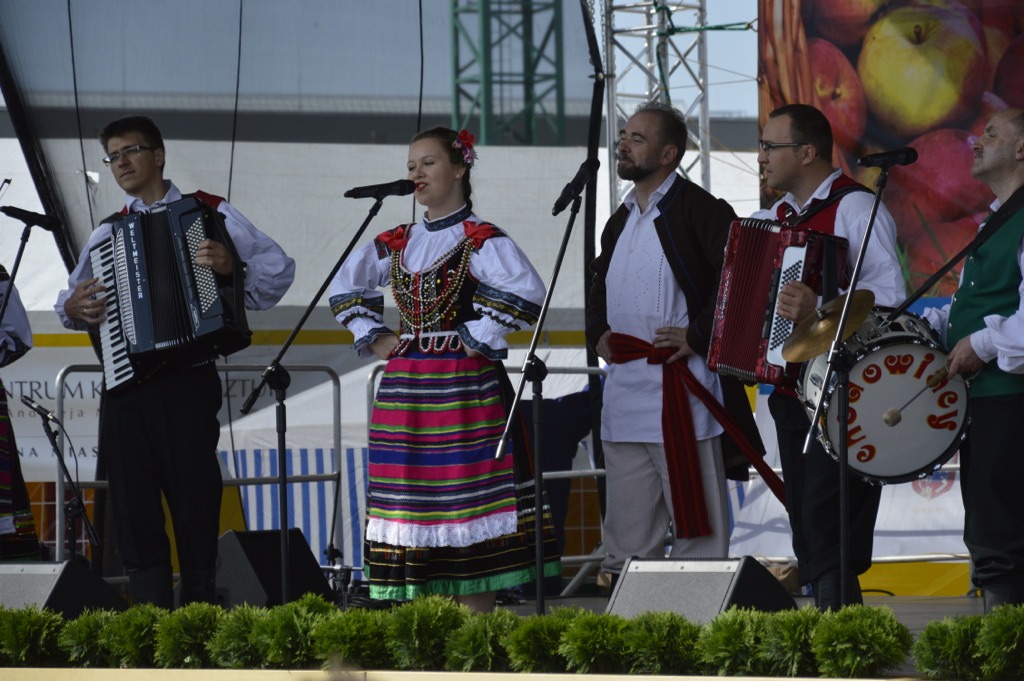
[433, 633]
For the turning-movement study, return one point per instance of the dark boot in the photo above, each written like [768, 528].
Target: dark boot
[198, 586]
[995, 595]
[828, 594]
[151, 585]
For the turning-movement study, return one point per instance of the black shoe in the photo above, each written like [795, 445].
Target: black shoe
[151, 585]
[198, 586]
[828, 595]
[1002, 594]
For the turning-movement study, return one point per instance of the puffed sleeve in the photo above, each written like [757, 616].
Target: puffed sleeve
[508, 297]
[15, 332]
[269, 271]
[355, 301]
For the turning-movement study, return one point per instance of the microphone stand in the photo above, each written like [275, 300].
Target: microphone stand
[277, 377]
[14, 270]
[839, 363]
[75, 508]
[535, 371]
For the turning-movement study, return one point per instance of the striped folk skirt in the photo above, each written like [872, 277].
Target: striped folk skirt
[443, 516]
[18, 537]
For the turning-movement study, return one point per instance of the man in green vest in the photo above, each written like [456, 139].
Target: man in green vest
[984, 326]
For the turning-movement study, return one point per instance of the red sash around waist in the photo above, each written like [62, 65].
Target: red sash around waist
[688, 505]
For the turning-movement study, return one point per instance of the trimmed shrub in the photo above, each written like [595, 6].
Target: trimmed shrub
[28, 638]
[533, 646]
[786, 645]
[1000, 643]
[593, 643]
[857, 641]
[80, 640]
[728, 644]
[947, 649]
[478, 645]
[419, 631]
[130, 636]
[234, 644]
[354, 638]
[285, 635]
[661, 643]
[183, 636]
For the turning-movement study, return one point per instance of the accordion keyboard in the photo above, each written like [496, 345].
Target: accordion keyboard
[117, 367]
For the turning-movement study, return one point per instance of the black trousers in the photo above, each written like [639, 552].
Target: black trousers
[161, 436]
[992, 467]
[812, 497]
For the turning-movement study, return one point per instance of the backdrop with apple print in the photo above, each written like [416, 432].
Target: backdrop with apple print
[888, 74]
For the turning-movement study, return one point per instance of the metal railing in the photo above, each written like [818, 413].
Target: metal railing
[331, 374]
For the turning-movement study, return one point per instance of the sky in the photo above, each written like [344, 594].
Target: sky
[732, 58]
[732, 55]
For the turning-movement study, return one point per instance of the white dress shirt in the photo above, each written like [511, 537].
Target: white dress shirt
[642, 296]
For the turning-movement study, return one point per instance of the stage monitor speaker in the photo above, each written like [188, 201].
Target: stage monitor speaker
[68, 588]
[697, 589]
[249, 568]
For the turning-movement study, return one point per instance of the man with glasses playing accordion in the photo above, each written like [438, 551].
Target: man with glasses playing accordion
[796, 158]
[158, 419]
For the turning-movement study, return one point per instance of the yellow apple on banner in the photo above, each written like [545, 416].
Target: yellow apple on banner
[922, 67]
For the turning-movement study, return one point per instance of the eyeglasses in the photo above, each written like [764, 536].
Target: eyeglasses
[127, 152]
[767, 147]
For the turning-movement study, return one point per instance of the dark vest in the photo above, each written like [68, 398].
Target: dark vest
[990, 286]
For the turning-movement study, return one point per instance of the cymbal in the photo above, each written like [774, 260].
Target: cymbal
[814, 337]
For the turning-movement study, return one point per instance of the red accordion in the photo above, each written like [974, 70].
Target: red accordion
[761, 257]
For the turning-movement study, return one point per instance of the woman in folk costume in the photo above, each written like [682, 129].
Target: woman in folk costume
[443, 515]
[18, 537]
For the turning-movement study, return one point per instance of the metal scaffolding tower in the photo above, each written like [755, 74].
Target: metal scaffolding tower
[658, 51]
[508, 70]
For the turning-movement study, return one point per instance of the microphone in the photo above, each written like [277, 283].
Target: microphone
[30, 218]
[887, 159]
[587, 170]
[379, 191]
[37, 408]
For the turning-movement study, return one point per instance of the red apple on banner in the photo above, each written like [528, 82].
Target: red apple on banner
[839, 93]
[997, 41]
[989, 104]
[927, 251]
[922, 67]
[1009, 80]
[998, 13]
[844, 22]
[938, 187]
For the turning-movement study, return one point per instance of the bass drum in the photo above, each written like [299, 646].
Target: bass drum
[899, 428]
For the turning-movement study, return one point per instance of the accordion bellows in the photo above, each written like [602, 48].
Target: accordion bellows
[762, 256]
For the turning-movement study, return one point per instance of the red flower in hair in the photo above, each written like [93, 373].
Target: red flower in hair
[464, 142]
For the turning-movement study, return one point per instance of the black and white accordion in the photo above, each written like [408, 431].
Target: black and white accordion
[161, 307]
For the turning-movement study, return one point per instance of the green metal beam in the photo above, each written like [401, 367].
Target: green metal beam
[507, 68]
